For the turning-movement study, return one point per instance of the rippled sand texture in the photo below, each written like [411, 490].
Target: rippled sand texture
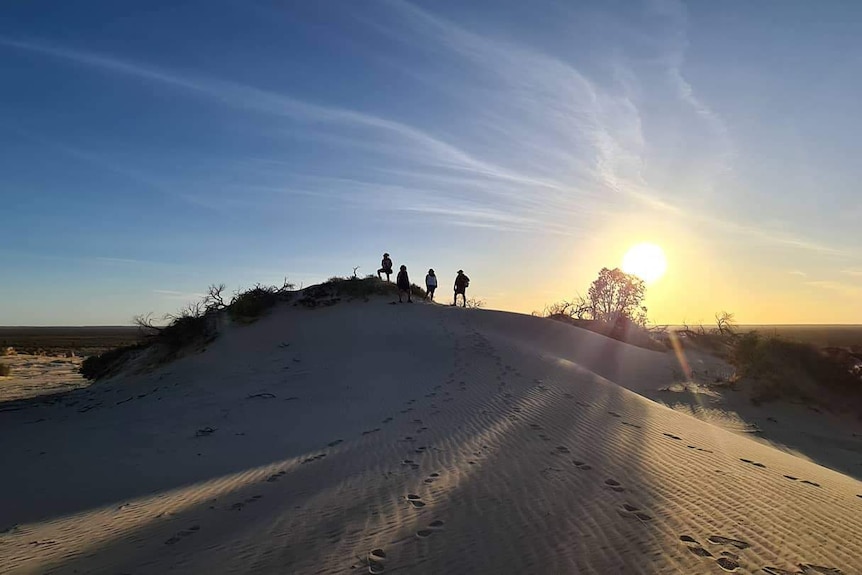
[370, 438]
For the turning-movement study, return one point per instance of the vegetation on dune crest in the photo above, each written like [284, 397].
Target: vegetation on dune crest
[198, 323]
[613, 307]
[194, 325]
[769, 367]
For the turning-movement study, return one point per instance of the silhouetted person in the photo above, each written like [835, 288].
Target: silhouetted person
[403, 283]
[461, 283]
[430, 285]
[385, 267]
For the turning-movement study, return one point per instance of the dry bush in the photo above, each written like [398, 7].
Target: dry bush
[246, 306]
[780, 369]
[102, 365]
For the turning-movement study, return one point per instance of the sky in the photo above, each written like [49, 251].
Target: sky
[152, 148]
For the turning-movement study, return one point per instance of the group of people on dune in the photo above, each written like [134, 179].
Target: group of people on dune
[402, 280]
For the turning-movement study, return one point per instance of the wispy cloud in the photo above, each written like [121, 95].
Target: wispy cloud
[839, 287]
[178, 295]
[419, 144]
[852, 272]
[544, 144]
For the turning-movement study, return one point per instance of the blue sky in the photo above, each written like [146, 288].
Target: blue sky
[153, 148]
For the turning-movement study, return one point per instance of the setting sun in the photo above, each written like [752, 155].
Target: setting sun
[646, 261]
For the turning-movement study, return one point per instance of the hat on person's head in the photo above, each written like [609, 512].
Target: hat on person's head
[460, 271]
[385, 255]
[403, 267]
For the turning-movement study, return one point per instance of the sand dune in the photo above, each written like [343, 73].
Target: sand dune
[367, 437]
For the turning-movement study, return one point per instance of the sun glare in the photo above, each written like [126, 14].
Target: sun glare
[646, 261]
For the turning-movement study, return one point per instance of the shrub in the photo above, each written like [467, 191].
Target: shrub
[249, 305]
[781, 368]
[5, 370]
[98, 366]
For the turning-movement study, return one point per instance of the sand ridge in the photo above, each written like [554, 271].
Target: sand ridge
[415, 439]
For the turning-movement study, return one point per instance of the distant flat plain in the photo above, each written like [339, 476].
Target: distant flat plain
[60, 340]
[90, 340]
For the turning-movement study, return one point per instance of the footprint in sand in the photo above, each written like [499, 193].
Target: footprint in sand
[334, 443]
[568, 396]
[561, 449]
[754, 463]
[376, 559]
[614, 485]
[582, 404]
[810, 483]
[409, 462]
[313, 458]
[432, 478]
[694, 546]
[583, 466]
[614, 414]
[275, 477]
[432, 527]
[672, 436]
[544, 437]
[631, 424]
[387, 420]
[720, 540]
[630, 511]
[415, 500]
[808, 568]
[179, 536]
[727, 563]
[535, 426]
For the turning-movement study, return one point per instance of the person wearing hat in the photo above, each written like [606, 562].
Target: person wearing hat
[461, 283]
[385, 267]
[430, 285]
[403, 283]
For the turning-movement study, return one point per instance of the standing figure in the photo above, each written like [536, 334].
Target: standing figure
[403, 283]
[461, 284]
[385, 267]
[430, 285]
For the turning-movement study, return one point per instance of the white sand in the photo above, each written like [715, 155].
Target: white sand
[523, 442]
[34, 375]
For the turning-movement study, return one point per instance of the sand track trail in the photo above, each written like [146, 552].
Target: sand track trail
[370, 438]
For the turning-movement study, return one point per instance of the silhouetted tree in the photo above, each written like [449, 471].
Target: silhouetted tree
[577, 308]
[616, 294]
[726, 323]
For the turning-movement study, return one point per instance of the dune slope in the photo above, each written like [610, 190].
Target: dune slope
[368, 437]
